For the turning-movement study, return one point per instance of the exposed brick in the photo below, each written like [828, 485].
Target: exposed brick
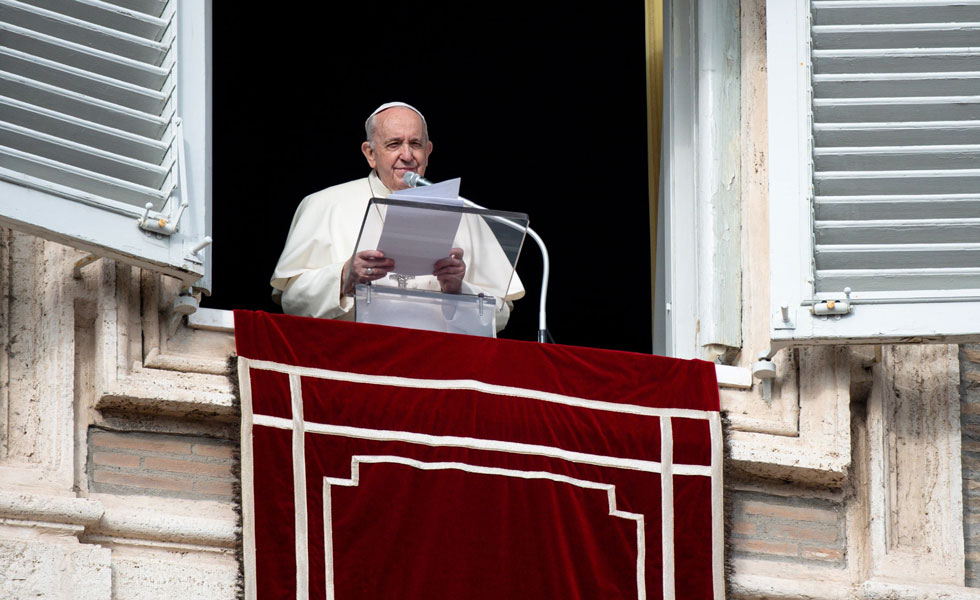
[970, 408]
[115, 459]
[744, 528]
[823, 554]
[971, 445]
[783, 511]
[765, 547]
[143, 481]
[214, 451]
[216, 488]
[796, 532]
[105, 439]
[156, 463]
[972, 376]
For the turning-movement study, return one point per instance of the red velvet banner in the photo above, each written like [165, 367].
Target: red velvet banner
[391, 463]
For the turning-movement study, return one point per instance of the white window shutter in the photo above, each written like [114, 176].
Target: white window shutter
[103, 111]
[874, 124]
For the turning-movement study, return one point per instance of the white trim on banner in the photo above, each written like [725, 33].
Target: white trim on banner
[477, 386]
[248, 487]
[667, 504]
[717, 506]
[299, 489]
[354, 480]
[425, 439]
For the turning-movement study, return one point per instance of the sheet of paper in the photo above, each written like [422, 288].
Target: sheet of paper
[444, 192]
[416, 238]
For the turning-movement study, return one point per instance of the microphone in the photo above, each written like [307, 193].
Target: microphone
[414, 180]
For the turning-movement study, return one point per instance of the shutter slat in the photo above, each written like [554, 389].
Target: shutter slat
[84, 157]
[86, 133]
[849, 183]
[156, 8]
[896, 158]
[17, 164]
[898, 231]
[80, 56]
[84, 82]
[896, 60]
[891, 85]
[930, 281]
[93, 35]
[120, 18]
[897, 256]
[876, 12]
[84, 107]
[878, 110]
[915, 35]
[855, 208]
[896, 134]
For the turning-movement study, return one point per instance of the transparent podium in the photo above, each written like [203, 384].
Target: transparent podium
[416, 235]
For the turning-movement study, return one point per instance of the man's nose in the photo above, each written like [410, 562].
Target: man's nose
[405, 153]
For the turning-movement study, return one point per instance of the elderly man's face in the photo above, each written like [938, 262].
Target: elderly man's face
[399, 146]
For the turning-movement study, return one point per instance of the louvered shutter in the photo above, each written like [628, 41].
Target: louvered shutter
[103, 112]
[878, 104]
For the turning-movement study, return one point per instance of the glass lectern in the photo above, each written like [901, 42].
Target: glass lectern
[417, 234]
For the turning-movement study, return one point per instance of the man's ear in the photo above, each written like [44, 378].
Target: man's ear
[368, 154]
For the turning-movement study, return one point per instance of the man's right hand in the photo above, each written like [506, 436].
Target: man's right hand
[365, 266]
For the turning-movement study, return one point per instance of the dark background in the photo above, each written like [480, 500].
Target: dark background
[539, 108]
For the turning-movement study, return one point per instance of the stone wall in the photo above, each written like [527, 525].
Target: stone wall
[117, 430]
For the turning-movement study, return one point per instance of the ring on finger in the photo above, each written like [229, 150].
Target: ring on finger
[370, 271]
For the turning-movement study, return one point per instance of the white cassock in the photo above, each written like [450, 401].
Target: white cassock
[322, 238]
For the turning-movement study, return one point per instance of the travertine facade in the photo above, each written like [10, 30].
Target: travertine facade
[859, 478]
[116, 430]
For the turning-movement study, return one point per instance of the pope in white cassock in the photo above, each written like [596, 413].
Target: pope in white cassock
[317, 259]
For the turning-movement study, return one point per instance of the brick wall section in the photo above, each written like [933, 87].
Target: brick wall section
[153, 464]
[802, 530]
[970, 427]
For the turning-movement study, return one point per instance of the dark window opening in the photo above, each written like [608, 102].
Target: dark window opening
[538, 108]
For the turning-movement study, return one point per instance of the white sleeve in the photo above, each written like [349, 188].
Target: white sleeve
[316, 293]
[307, 278]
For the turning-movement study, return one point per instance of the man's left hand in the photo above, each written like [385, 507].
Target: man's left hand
[450, 271]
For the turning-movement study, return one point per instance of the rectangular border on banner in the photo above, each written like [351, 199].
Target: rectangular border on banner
[299, 427]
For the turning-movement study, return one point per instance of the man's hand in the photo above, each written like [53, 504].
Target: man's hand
[365, 266]
[450, 271]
